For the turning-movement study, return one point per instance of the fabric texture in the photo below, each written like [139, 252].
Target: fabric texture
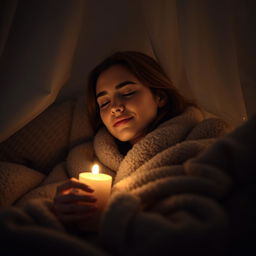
[46, 140]
[12, 182]
[160, 199]
[185, 188]
[34, 230]
[43, 142]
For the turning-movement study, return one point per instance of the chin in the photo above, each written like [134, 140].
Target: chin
[132, 138]
[124, 137]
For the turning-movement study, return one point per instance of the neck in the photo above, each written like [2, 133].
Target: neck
[123, 147]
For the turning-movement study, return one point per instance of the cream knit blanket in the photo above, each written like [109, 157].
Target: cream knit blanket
[161, 202]
[156, 201]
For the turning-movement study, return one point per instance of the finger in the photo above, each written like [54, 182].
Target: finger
[73, 183]
[75, 208]
[71, 198]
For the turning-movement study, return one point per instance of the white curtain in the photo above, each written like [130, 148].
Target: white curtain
[37, 44]
[198, 43]
[48, 47]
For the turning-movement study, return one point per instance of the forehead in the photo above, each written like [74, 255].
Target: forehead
[112, 77]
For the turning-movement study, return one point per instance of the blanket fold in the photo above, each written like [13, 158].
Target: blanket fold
[181, 225]
[35, 230]
[174, 192]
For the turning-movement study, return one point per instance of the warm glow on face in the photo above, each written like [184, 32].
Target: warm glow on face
[95, 169]
[127, 107]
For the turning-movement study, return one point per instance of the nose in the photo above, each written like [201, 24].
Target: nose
[117, 107]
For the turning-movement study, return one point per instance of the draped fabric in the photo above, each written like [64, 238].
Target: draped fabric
[37, 44]
[48, 47]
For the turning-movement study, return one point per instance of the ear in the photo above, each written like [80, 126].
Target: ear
[161, 99]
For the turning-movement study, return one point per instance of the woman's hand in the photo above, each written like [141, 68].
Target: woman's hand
[74, 205]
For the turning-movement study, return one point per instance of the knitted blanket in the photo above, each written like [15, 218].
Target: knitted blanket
[162, 202]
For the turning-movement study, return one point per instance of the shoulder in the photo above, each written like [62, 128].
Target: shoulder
[212, 127]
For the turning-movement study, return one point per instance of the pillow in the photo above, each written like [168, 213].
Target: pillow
[43, 142]
[15, 181]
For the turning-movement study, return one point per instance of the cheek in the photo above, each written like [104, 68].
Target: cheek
[146, 106]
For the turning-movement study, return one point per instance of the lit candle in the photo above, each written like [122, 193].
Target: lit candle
[100, 183]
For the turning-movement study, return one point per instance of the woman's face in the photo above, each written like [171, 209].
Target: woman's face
[126, 106]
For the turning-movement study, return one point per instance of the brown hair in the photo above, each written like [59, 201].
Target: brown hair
[150, 74]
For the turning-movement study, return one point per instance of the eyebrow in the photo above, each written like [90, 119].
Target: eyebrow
[116, 87]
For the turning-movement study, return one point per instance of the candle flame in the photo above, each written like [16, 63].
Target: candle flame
[95, 169]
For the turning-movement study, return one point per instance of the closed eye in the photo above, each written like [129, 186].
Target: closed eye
[128, 94]
[104, 104]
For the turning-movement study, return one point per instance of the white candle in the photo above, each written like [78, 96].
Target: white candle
[100, 183]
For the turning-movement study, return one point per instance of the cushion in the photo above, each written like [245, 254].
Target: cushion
[15, 181]
[43, 142]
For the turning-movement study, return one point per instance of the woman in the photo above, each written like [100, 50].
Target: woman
[136, 113]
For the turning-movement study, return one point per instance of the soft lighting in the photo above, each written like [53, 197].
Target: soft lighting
[95, 169]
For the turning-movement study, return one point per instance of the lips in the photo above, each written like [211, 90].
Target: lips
[121, 121]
